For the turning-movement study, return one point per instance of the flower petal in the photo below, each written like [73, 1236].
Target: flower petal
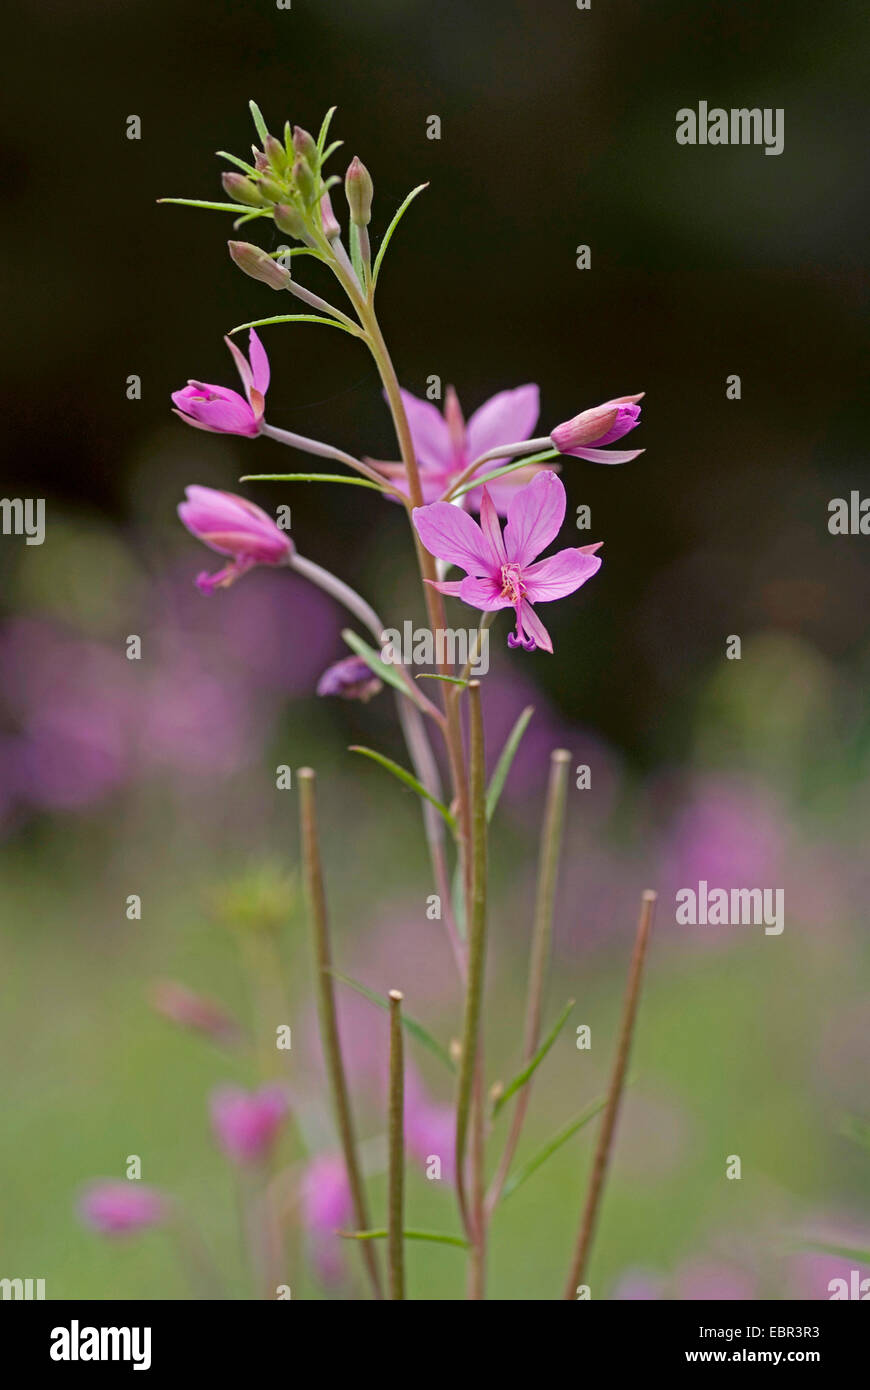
[489, 525]
[429, 432]
[483, 593]
[534, 628]
[260, 373]
[534, 517]
[451, 534]
[503, 419]
[606, 455]
[559, 574]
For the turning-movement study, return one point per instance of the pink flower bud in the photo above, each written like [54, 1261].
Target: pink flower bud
[242, 189]
[246, 1123]
[359, 191]
[260, 266]
[180, 1005]
[601, 425]
[232, 526]
[116, 1207]
[331, 229]
[351, 679]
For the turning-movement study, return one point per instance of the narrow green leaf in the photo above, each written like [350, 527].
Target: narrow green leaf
[310, 478]
[234, 159]
[408, 778]
[506, 757]
[432, 676]
[411, 1026]
[297, 318]
[327, 154]
[534, 1163]
[388, 234]
[324, 130]
[387, 673]
[237, 208]
[503, 472]
[438, 1236]
[523, 1076]
[262, 128]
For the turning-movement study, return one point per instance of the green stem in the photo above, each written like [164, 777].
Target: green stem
[476, 960]
[548, 868]
[396, 1208]
[327, 1014]
[614, 1095]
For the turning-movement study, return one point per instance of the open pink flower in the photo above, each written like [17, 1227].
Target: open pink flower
[247, 1122]
[601, 425]
[501, 571]
[232, 526]
[115, 1207]
[445, 444]
[222, 411]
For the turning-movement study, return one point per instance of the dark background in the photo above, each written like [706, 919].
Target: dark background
[557, 129]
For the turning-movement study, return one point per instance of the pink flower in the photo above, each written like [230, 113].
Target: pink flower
[445, 445]
[601, 425]
[118, 1208]
[327, 1208]
[500, 572]
[232, 526]
[222, 411]
[351, 679]
[247, 1122]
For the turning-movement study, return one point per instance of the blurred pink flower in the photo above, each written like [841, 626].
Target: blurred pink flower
[351, 679]
[195, 1011]
[601, 425]
[232, 526]
[501, 570]
[222, 411]
[430, 1127]
[445, 445]
[247, 1122]
[116, 1207]
[327, 1207]
[713, 1281]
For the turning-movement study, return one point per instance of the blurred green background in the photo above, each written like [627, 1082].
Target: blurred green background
[157, 777]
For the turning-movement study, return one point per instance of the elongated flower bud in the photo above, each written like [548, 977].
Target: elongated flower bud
[304, 179]
[288, 219]
[304, 145]
[254, 261]
[242, 190]
[331, 229]
[276, 154]
[359, 190]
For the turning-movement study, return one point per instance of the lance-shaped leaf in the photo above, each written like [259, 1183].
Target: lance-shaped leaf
[388, 674]
[506, 757]
[324, 130]
[388, 234]
[531, 1067]
[439, 1237]
[412, 1027]
[503, 472]
[240, 163]
[409, 780]
[527, 1169]
[311, 478]
[262, 128]
[431, 676]
[218, 207]
[297, 318]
